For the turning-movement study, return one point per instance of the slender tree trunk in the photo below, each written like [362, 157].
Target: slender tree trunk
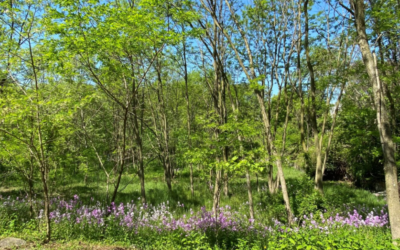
[313, 106]
[191, 179]
[46, 205]
[250, 195]
[30, 184]
[168, 170]
[188, 113]
[226, 190]
[277, 157]
[42, 161]
[383, 120]
[318, 170]
[141, 175]
[284, 191]
[217, 191]
[141, 160]
[107, 188]
[328, 147]
[272, 183]
[122, 156]
[218, 89]
[258, 186]
[138, 139]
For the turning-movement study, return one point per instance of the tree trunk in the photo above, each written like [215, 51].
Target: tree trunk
[141, 176]
[188, 112]
[29, 178]
[277, 157]
[272, 187]
[41, 158]
[258, 186]
[122, 156]
[248, 182]
[138, 131]
[168, 177]
[191, 180]
[226, 190]
[284, 191]
[217, 192]
[164, 129]
[313, 107]
[318, 170]
[46, 205]
[332, 128]
[383, 120]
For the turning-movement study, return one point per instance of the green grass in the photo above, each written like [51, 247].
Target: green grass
[336, 193]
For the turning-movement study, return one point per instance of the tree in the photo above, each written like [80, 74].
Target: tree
[382, 117]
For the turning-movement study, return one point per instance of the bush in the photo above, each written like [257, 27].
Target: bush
[304, 198]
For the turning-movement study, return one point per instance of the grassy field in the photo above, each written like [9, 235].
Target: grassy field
[157, 192]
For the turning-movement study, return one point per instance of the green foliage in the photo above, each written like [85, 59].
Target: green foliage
[175, 240]
[342, 238]
[305, 199]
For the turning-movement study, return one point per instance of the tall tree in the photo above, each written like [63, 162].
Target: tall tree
[382, 117]
[250, 70]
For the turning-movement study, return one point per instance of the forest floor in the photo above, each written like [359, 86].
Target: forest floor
[72, 245]
[337, 195]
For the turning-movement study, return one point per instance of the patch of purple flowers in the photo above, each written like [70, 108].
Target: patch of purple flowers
[161, 219]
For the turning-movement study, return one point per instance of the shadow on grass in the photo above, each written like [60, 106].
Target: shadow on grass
[338, 194]
[12, 192]
[85, 193]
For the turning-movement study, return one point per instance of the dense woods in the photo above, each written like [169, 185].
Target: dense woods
[204, 92]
